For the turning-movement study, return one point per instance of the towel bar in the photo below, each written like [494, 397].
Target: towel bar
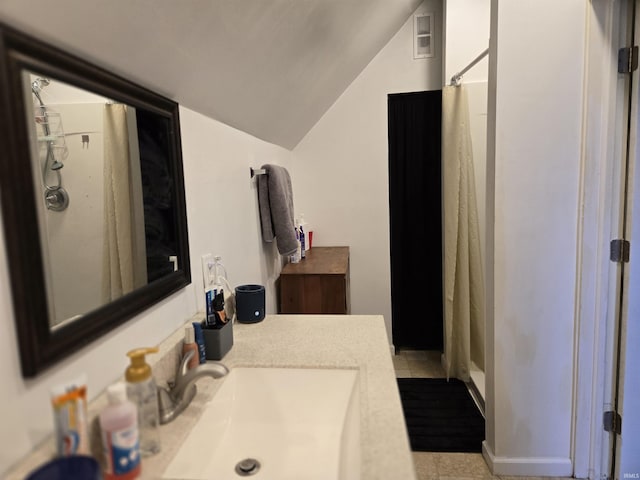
[257, 171]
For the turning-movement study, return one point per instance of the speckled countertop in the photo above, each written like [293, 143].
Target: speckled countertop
[305, 341]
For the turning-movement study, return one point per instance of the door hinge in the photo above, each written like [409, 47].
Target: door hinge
[619, 250]
[628, 59]
[612, 422]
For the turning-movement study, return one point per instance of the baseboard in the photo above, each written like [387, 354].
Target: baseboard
[392, 348]
[527, 466]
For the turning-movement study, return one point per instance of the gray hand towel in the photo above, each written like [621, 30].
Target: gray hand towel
[275, 200]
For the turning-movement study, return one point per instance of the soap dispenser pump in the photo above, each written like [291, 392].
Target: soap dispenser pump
[143, 392]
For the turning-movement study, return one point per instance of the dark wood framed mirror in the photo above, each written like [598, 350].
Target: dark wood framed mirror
[133, 209]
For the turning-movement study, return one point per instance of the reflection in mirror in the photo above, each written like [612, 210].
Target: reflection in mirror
[93, 205]
[104, 195]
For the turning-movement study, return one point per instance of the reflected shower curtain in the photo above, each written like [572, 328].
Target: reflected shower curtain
[463, 276]
[118, 265]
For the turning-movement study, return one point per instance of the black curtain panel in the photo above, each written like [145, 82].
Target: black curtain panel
[416, 219]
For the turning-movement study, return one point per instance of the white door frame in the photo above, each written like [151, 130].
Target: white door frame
[600, 215]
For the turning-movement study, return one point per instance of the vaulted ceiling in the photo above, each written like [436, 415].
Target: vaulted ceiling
[268, 67]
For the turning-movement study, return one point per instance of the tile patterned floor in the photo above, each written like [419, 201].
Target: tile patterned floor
[444, 466]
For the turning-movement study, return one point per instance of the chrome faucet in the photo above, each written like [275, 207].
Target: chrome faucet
[172, 401]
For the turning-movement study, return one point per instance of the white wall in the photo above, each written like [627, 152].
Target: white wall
[466, 36]
[535, 141]
[222, 202]
[223, 219]
[341, 166]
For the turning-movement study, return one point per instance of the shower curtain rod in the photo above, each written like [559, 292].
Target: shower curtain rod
[455, 80]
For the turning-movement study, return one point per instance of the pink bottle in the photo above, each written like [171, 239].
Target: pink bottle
[119, 424]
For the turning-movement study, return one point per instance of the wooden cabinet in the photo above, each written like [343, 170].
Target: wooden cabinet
[318, 284]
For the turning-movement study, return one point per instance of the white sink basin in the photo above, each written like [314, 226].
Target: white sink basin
[301, 424]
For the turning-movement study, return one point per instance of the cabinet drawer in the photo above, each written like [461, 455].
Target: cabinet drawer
[313, 294]
[319, 284]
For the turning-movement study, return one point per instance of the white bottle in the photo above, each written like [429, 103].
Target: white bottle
[297, 256]
[119, 425]
[143, 392]
[303, 249]
[304, 227]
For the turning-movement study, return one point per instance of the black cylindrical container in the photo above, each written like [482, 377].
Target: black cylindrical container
[250, 303]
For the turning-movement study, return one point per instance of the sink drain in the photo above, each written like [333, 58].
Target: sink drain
[247, 467]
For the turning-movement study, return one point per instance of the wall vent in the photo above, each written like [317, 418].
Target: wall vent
[423, 35]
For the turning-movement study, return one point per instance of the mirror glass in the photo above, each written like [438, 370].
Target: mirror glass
[92, 194]
[104, 195]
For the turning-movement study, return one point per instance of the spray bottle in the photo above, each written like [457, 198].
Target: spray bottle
[215, 282]
[218, 303]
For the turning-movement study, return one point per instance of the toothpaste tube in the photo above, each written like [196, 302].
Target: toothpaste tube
[202, 353]
[70, 417]
[215, 316]
[210, 314]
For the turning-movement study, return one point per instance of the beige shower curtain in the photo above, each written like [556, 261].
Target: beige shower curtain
[118, 272]
[463, 276]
